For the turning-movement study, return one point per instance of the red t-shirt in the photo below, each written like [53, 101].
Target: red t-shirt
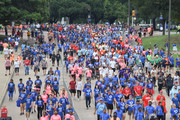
[4, 112]
[70, 58]
[159, 97]
[138, 90]
[127, 91]
[146, 99]
[72, 85]
[27, 62]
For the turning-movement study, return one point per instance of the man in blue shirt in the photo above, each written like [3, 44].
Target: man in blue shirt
[99, 108]
[104, 115]
[88, 95]
[55, 85]
[149, 109]
[28, 101]
[136, 107]
[119, 113]
[160, 111]
[20, 86]
[110, 99]
[130, 104]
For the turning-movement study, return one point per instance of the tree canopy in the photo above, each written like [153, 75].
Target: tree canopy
[77, 10]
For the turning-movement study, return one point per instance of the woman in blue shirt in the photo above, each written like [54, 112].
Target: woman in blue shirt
[60, 110]
[175, 100]
[39, 103]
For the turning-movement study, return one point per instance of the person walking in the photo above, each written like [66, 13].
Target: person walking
[26, 65]
[87, 96]
[169, 83]
[11, 89]
[79, 88]
[8, 65]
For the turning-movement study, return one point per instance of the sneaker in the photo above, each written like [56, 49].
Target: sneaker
[34, 110]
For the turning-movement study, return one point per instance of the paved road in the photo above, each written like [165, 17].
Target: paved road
[78, 105]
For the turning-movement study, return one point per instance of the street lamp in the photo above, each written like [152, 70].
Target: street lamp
[169, 24]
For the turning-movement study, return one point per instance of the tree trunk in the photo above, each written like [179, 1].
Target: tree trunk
[154, 23]
[164, 27]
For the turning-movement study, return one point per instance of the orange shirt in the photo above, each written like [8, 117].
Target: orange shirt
[19, 58]
[12, 57]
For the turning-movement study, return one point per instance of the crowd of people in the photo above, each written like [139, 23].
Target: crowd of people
[120, 75]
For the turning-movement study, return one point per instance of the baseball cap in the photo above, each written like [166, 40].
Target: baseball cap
[161, 91]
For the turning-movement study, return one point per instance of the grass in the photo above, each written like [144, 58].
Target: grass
[161, 41]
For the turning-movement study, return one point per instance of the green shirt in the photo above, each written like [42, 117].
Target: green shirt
[151, 61]
[156, 60]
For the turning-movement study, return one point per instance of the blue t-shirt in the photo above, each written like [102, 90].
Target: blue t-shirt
[50, 110]
[136, 108]
[60, 111]
[119, 114]
[11, 87]
[87, 92]
[104, 116]
[139, 115]
[130, 102]
[22, 96]
[118, 97]
[159, 110]
[150, 110]
[28, 102]
[110, 99]
[55, 85]
[21, 86]
[175, 101]
[100, 108]
[174, 111]
[39, 103]
[122, 105]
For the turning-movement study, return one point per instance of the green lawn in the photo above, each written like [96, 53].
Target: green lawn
[160, 41]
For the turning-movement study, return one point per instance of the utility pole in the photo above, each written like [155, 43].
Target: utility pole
[128, 12]
[169, 24]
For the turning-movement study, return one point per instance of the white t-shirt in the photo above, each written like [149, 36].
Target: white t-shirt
[16, 64]
[79, 85]
[110, 73]
[112, 64]
[6, 50]
[16, 43]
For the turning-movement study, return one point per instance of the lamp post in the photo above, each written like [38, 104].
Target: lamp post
[169, 24]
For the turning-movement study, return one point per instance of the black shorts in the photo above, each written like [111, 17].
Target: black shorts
[73, 90]
[171, 65]
[8, 68]
[126, 97]
[44, 68]
[16, 70]
[109, 106]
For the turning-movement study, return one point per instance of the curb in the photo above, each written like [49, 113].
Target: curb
[5, 89]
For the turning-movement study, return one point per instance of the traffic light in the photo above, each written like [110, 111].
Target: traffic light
[133, 13]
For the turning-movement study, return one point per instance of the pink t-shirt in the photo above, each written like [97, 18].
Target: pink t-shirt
[77, 76]
[56, 117]
[44, 97]
[126, 45]
[48, 89]
[80, 70]
[44, 118]
[69, 116]
[89, 72]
